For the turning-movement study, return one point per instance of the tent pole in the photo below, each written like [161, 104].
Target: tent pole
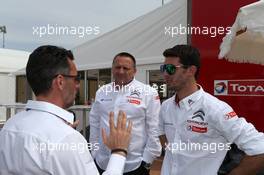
[85, 87]
[3, 40]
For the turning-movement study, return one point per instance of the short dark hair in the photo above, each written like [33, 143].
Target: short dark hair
[188, 55]
[125, 54]
[44, 64]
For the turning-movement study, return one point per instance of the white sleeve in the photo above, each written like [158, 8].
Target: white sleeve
[72, 156]
[161, 121]
[237, 130]
[94, 121]
[153, 146]
[115, 165]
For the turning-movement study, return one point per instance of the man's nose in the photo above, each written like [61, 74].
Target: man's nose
[121, 70]
[165, 74]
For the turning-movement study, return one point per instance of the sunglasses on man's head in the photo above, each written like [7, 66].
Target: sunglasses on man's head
[170, 68]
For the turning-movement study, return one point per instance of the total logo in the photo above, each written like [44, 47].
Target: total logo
[220, 87]
[239, 87]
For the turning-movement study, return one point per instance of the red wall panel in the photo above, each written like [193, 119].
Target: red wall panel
[208, 13]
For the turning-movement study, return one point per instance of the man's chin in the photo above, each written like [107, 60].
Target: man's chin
[69, 105]
[120, 83]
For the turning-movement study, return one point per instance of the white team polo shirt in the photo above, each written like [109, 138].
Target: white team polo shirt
[200, 130]
[38, 141]
[141, 104]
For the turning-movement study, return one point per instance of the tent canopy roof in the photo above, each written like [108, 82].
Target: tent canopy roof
[12, 60]
[145, 38]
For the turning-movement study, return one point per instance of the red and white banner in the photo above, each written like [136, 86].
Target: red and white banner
[239, 87]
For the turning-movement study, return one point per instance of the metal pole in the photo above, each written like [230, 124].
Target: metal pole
[8, 112]
[3, 40]
[85, 87]
[3, 30]
[162, 3]
[98, 78]
[84, 123]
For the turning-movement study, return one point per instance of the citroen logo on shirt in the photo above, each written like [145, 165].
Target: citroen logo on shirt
[135, 92]
[190, 101]
[199, 114]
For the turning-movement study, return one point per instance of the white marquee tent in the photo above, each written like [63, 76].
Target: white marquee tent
[145, 37]
[10, 61]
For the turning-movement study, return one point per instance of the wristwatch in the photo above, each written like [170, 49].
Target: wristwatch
[146, 165]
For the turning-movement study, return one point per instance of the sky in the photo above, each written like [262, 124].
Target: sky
[31, 23]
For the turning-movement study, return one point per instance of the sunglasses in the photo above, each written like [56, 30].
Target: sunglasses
[77, 78]
[170, 68]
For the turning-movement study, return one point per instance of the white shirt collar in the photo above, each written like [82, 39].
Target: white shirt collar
[188, 101]
[50, 108]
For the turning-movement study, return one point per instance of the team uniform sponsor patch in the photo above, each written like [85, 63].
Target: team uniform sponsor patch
[197, 129]
[230, 115]
[134, 101]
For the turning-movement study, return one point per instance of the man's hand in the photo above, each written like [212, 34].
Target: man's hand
[119, 136]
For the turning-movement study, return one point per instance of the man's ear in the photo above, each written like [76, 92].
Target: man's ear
[192, 70]
[59, 82]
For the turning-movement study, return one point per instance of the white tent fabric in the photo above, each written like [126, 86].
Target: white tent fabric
[246, 41]
[19, 72]
[144, 37]
[12, 60]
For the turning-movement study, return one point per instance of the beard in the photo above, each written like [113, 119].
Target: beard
[69, 100]
[67, 105]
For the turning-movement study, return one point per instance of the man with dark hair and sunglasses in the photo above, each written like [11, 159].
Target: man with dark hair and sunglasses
[40, 139]
[141, 104]
[198, 128]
